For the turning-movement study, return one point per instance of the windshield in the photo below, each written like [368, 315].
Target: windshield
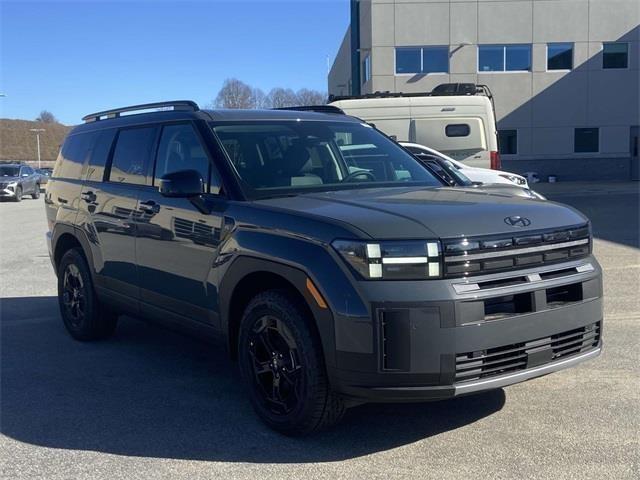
[275, 158]
[9, 171]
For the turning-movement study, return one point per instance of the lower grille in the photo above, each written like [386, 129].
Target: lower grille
[520, 356]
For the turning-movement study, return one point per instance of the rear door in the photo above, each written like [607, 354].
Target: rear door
[115, 175]
[177, 243]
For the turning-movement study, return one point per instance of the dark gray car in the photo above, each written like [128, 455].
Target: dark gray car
[335, 268]
[17, 180]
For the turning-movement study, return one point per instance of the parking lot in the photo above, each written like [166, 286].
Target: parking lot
[153, 403]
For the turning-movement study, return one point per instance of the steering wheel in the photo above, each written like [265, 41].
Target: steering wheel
[358, 173]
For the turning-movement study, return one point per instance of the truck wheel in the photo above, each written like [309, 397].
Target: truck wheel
[282, 365]
[36, 193]
[18, 194]
[82, 314]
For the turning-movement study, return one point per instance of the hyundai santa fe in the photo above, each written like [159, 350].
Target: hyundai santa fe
[336, 269]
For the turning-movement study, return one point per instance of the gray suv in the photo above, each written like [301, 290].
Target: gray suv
[334, 267]
[17, 180]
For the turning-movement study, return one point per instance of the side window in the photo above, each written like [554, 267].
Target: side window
[73, 155]
[99, 155]
[457, 130]
[180, 149]
[131, 155]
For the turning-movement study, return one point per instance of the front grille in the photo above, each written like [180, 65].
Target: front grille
[520, 356]
[464, 257]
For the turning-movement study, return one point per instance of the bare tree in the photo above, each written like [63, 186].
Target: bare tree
[258, 98]
[304, 96]
[235, 94]
[281, 98]
[46, 117]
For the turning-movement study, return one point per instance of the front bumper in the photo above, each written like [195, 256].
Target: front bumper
[7, 192]
[438, 339]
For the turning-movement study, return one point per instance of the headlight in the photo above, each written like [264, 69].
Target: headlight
[392, 260]
[513, 178]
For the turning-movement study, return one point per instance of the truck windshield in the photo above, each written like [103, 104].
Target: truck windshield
[288, 157]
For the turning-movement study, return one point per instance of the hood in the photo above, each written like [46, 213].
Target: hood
[8, 179]
[398, 213]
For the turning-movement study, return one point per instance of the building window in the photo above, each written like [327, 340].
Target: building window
[504, 58]
[435, 60]
[560, 56]
[615, 55]
[422, 60]
[586, 140]
[508, 142]
[366, 69]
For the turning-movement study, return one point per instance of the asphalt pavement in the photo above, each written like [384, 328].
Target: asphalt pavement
[152, 403]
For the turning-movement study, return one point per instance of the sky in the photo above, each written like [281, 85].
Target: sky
[74, 58]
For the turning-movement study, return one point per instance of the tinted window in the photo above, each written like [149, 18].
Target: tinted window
[518, 57]
[615, 55]
[586, 140]
[100, 155]
[73, 155]
[131, 155]
[490, 58]
[408, 60]
[366, 69]
[560, 56]
[457, 130]
[27, 170]
[435, 59]
[180, 149]
[508, 142]
[500, 58]
[293, 156]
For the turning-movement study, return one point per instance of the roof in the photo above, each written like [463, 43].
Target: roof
[208, 115]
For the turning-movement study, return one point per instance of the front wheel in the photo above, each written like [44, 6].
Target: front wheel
[283, 367]
[18, 194]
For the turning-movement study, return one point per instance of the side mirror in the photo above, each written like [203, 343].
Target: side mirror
[181, 184]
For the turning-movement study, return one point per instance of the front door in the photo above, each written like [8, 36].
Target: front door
[177, 243]
[633, 149]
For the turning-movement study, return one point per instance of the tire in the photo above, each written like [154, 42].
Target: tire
[18, 194]
[36, 193]
[83, 316]
[276, 336]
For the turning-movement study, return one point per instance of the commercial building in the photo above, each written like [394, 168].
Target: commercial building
[564, 73]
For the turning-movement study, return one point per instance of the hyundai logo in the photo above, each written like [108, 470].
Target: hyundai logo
[517, 221]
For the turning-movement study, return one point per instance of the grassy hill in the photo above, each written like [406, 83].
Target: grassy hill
[18, 143]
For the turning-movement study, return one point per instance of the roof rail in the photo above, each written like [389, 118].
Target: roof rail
[314, 108]
[115, 113]
[445, 89]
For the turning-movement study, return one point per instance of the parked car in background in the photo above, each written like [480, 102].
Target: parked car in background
[456, 118]
[335, 267]
[17, 180]
[453, 176]
[44, 173]
[475, 174]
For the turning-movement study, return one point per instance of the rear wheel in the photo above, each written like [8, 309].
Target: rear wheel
[36, 193]
[282, 365]
[18, 194]
[82, 314]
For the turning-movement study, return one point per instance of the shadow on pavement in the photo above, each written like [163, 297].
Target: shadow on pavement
[154, 393]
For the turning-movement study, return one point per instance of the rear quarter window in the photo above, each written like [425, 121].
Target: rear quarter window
[73, 155]
[99, 155]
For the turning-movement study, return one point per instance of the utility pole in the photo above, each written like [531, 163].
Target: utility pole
[37, 131]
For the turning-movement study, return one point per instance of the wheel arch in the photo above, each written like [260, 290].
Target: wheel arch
[248, 276]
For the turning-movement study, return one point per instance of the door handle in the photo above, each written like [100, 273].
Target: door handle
[88, 197]
[149, 206]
